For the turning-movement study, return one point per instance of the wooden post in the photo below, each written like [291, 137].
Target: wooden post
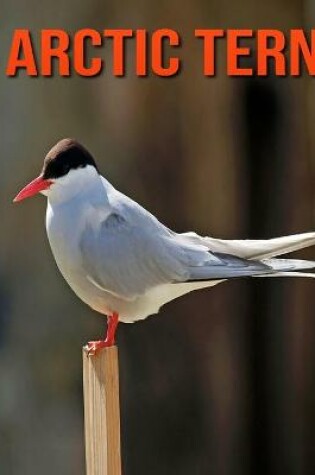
[101, 412]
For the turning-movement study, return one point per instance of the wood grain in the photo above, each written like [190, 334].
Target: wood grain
[101, 412]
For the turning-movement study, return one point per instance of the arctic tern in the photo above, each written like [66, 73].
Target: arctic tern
[121, 261]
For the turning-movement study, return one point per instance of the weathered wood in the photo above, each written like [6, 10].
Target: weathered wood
[101, 412]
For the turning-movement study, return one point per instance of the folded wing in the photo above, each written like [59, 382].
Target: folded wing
[127, 259]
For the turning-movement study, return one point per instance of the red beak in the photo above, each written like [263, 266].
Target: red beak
[37, 185]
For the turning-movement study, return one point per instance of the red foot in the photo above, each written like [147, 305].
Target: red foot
[94, 347]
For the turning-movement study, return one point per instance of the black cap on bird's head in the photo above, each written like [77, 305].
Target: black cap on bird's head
[65, 156]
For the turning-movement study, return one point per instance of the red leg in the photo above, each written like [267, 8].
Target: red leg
[112, 323]
[94, 346]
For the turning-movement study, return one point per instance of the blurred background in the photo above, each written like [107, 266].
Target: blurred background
[222, 382]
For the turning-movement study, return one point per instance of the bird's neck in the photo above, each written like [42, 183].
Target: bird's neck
[84, 189]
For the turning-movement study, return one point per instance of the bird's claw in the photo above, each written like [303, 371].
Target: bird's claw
[94, 347]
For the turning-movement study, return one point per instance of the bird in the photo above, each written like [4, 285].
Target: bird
[122, 261]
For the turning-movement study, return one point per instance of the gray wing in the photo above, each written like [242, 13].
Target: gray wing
[129, 253]
[126, 259]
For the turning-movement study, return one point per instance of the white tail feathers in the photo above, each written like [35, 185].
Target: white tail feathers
[255, 249]
[287, 265]
[288, 274]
